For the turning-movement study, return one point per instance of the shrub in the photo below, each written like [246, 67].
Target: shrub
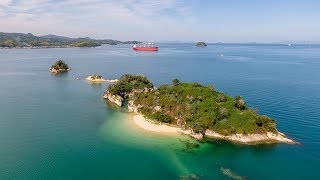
[222, 113]
[175, 82]
[266, 123]
[240, 103]
[162, 117]
[211, 87]
[196, 84]
[221, 97]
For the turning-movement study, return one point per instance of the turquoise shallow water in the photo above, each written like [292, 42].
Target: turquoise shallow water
[55, 127]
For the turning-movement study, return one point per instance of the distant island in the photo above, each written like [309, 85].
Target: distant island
[20, 40]
[201, 44]
[59, 67]
[194, 109]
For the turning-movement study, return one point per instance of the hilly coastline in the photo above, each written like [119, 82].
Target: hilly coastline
[20, 40]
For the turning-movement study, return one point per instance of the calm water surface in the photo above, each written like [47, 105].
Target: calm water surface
[56, 127]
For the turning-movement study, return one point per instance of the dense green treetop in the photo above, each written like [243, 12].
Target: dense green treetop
[129, 83]
[96, 76]
[192, 105]
[60, 65]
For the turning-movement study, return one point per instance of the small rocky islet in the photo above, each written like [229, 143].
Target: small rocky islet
[99, 79]
[59, 67]
[95, 78]
[196, 108]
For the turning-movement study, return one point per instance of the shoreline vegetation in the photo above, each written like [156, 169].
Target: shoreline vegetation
[193, 109]
[30, 41]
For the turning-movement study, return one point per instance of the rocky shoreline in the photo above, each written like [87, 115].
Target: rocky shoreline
[56, 71]
[269, 137]
[116, 99]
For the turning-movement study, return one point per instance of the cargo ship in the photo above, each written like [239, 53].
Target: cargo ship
[145, 47]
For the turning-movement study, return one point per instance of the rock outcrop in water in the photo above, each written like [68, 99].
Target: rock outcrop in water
[99, 79]
[59, 67]
[197, 110]
[95, 78]
[116, 99]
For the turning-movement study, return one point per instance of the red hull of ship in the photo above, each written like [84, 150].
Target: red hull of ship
[145, 48]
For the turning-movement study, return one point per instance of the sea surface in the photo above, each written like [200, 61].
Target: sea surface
[56, 127]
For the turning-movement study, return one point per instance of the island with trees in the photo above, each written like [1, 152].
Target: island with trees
[99, 79]
[20, 40]
[194, 109]
[59, 67]
[201, 44]
[95, 78]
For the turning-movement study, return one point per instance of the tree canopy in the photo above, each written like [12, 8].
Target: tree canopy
[60, 65]
[193, 105]
[129, 83]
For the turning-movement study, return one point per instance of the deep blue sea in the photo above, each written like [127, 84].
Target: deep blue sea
[56, 127]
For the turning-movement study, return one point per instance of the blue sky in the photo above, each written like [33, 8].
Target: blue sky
[160, 20]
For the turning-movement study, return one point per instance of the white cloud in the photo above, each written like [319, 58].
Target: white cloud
[121, 19]
[5, 3]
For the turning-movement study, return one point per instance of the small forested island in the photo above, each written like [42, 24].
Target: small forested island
[201, 44]
[194, 109]
[20, 40]
[59, 67]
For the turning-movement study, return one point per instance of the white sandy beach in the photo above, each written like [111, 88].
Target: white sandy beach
[145, 124]
[150, 126]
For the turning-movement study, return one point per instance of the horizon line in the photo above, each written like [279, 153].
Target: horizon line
[302, 42]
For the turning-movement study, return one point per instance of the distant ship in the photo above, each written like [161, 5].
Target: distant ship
[145, 47]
